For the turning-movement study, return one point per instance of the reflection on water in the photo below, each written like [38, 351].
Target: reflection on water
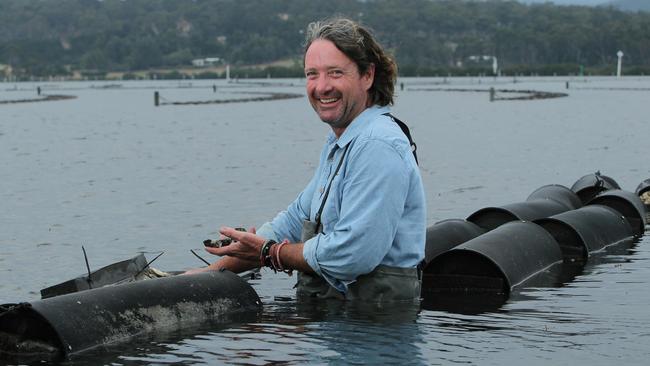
[110, 171]
[288, 332]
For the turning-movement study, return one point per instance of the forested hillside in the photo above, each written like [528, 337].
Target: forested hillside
[632, 5]
[50, 37]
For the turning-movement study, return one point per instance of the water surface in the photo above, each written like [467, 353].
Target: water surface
[112, 172]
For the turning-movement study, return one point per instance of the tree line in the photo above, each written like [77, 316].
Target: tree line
[57, 37]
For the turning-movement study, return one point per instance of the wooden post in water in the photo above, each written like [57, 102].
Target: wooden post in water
[156, 98]
[567, 85]
[492, 94]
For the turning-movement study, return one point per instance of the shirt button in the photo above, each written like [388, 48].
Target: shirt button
[322, 189]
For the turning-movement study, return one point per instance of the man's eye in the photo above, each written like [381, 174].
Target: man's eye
[336, 73]
[311, 75]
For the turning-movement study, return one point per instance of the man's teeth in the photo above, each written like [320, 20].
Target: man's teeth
[328, 100]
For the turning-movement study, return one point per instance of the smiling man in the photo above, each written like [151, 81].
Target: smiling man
[357, 231]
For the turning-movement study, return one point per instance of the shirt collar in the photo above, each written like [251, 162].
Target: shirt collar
[360, 123]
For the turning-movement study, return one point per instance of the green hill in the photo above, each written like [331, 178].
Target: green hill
[632, 5]
[57, 37]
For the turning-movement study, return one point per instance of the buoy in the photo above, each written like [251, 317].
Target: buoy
[557, 193]
[643, 191]
[60, 326]
[587, 230]
[447, 234]
[627, 204]
[490, 218]
[589, 186]
[495, 262]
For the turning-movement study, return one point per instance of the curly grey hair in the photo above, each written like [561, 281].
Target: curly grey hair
[358, 44]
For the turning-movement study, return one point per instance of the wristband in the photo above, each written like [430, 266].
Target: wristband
[265, 258]
[280, 267]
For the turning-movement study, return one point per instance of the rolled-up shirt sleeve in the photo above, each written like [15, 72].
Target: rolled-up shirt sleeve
[370, 200]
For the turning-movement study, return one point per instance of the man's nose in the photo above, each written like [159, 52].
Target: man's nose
[323, 84]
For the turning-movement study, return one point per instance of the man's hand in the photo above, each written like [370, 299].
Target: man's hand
[244, 253]
[235, 257]
[245, 246]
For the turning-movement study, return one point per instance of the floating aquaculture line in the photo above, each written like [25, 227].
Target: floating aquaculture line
[527, 94]
[46, 98]
[499, 249]
[613, 88]
[260, 97]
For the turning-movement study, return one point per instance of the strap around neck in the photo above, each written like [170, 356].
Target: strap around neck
[406, 132]
[327, 191]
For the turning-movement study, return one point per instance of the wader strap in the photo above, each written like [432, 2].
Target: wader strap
[327, 192]
[407, 132]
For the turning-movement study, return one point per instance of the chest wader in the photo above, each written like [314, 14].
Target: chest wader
[384, 283]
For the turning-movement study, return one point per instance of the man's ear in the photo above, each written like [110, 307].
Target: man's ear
[368, 77]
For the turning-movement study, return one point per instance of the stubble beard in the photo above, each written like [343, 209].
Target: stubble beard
[343, 120]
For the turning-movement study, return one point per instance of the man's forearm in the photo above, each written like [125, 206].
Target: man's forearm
[292, 258]
[233, 264]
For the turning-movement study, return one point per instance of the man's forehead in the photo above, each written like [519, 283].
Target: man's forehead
[324, 54]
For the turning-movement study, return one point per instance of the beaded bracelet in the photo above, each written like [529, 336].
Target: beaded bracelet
[265, 257]
[277, 258]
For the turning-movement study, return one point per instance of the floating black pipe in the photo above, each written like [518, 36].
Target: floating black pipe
[447, 234]
[586, 230]
[590, 185]
[111, 274]
[60, 326]
[643, 187]
[643, 191]
[558, 193]
[490, 218]
[627, 204]
[495, 262]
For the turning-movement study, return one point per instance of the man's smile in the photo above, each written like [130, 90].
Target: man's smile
[328, 100]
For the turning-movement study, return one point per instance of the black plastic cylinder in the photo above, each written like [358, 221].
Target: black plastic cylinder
[111, 274]
[587, 230]
[557, 193]
[60, 326]
[627, 204]
[490, 218]
[447, 234]
[643, 187]
[589, 186]
[643, 191]
[497, 261]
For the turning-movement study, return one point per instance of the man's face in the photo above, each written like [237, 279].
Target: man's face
[336, 90]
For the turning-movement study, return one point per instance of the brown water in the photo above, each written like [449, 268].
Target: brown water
[113, 173]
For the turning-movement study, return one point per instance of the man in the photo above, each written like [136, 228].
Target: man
[357, 231]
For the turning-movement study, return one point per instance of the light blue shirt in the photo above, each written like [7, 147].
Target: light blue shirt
[375, 213]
